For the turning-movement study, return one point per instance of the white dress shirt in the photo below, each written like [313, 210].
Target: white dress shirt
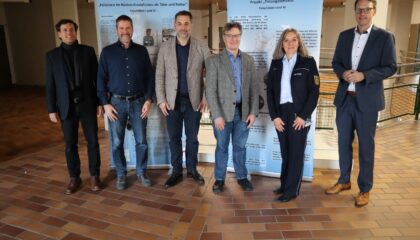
[359, 44]
[286, 89]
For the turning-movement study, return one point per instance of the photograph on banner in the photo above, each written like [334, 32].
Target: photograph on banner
[262, 23]
[153, 23]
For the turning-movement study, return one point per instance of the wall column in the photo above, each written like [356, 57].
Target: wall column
[65, 9]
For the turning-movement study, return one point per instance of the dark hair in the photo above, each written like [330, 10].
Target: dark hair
[372, 1]
[228, 26]
[184, 13]
[123, 18]
[63, 22]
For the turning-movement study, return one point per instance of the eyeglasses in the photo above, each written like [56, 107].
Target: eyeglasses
[363, 10]
[233, 36]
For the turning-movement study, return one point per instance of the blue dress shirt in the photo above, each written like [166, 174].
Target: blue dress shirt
[236, 65]
[125, 72]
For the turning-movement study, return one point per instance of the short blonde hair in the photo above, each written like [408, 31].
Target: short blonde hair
[279, 51]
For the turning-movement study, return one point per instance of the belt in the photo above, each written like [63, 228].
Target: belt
[351, 93]
[128, 98]
[77, 100]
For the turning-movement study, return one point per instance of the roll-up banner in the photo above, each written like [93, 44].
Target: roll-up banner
[263, 22]
[153, 23]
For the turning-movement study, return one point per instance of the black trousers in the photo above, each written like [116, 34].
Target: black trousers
[292, 146]
[70, 127]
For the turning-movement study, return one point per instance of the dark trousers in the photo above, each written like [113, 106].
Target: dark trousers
[292, 146]
[349, 119]
[70, 127]
[183, 114]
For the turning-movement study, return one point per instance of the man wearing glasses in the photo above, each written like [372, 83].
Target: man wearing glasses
[232, 95]
[363, 58]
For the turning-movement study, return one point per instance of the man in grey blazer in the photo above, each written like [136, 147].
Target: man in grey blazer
[232, 94]
[363, 58]
[180, 94]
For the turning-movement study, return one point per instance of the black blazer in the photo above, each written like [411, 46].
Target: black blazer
[304, 85]
[58, 87]
[378, 62]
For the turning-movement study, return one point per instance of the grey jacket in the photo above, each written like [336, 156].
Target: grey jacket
[220, 87]
[167, 72]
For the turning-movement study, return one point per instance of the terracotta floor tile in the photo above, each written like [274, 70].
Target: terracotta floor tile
[262, 219]
[30, 236]
[187, 215]
[72, 236]
[53, 221]
[296, 234]
[247, 213]
[11, 230]
[211, 236]
[279, 226]
[268, 235]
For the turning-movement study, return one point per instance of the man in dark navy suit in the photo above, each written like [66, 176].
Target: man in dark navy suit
[363, 58]
[71, 96]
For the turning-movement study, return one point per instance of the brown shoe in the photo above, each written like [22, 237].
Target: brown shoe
[362, 199]
[338, 187]
[74, 185]
[95, 183]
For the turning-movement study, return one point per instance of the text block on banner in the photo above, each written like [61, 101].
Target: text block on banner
[263, 22]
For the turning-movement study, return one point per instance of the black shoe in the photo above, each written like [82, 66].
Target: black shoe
[218, 186]
[285, 198]
[196, 176]
[278, 190]
[246, 184]
[173, 180]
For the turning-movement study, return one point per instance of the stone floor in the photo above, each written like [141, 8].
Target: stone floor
[33, 177]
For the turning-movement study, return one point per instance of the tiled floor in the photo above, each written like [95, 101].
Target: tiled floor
[33, 206]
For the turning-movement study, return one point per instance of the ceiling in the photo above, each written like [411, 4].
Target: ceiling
[204, 4]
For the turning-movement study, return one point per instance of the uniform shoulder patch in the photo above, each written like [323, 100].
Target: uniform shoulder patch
[316, 80]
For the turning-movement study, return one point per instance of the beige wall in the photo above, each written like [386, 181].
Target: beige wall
[87, 24]
[400, 24]
[415, 16]
[32, 34]
[332, 25]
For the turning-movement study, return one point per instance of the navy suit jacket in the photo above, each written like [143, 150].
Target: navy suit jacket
[58, 88]
[304, 84]
[378, 62]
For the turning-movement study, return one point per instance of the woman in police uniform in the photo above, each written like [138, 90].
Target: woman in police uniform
[292, 95]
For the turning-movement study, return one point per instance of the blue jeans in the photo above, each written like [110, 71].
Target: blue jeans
[183, 114]
[239, 131]
[128, 110]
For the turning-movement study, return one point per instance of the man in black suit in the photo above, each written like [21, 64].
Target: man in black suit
[363, 58]
[71, 95]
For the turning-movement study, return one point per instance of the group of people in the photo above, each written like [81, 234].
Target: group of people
[124, 83]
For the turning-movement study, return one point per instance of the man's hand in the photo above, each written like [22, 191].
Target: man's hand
[145, 111]
[99, 111]
[111, 112]
[250, 120]
[202, 106]
[164, 107]
[219, 123]
[298, 124]
[54, 117]
[278, 124]
[353, 76]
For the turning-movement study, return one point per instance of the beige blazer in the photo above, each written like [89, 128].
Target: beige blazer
[167, 72]
[220, 87]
